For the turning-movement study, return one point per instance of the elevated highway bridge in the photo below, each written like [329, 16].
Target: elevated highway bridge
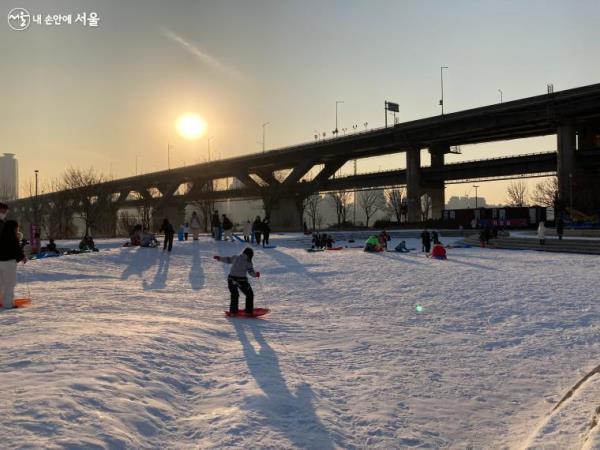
[572, 115]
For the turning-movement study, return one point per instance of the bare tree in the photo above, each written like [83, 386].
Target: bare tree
[426, 207]
[395, 202]
[60, 218]
[341, 201]
[517, 193]
[545, 192]
[311, 205]
[371, 202]
[126, 222]
[88, 197]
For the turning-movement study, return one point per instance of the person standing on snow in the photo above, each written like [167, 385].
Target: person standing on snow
[10, 254]
[227, 228]
[169, 231]
[3, 212]
[541, 233]
[257, 229]
[247, 231]
[195, 225]
[560, 228]
[266, 230]
[426, 241]
[215, 225]
[241, 266]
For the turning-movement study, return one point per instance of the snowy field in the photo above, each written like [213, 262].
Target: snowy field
[129, 348]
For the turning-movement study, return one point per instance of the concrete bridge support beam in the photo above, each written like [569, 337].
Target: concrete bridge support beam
[174, 212]
[566, 141]
[436, 190]
[413, 184]
[284, 213]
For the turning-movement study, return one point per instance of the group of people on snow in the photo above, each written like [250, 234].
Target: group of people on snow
[322, 240]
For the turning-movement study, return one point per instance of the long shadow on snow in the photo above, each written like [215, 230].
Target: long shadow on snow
[477, 266]
[162, 272]
[291, 263]
[140, 261]
[196, 272]
[293, 414]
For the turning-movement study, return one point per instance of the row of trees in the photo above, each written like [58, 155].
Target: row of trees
[370, 202]
[544, 193]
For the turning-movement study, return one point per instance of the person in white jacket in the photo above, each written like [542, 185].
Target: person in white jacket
[541, 232]
[195, 225]
[247, 231]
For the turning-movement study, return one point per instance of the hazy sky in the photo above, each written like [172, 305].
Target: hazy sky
[82, 96]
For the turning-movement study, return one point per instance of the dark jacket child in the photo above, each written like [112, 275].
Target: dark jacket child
[426, 241]
[169, 231]
[241, 266]
[257, 229]
[10, 255]
[266, 230]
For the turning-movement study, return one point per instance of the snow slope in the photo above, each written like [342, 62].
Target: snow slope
[129, 348]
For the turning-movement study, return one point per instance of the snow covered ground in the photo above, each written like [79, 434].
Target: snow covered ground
[129, 348]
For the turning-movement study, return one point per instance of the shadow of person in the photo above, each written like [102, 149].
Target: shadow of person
[293, 414]
[140, 261]
[477, 266]
[162, 273]
[290, 263]
[196, 276]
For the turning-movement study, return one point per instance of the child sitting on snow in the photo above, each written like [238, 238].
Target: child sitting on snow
[372, 244]
[438, 251]
[241, 265]
[401, 247]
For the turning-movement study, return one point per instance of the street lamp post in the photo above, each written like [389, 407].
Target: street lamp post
[169, 147]
[337, 102]
[475, 186]
[500, 90]
[442, 84]
[208, 143]
[263, 127]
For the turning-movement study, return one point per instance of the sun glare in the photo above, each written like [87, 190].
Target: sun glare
[191, 126]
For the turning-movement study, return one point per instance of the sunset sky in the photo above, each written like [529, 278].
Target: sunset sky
[101, 96]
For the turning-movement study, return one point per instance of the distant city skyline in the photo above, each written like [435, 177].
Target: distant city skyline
[110, 96]
[9, 177]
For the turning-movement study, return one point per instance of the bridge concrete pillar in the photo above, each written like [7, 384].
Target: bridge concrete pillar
[588, 136]
[566, 141]
[284, 213]
[174, 212]
[413, 184]
[436, 189]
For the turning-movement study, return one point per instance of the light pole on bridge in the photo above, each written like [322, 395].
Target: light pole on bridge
[475, 186]
[337, 102]
[442, 84]
[263, 127]
[500, 90]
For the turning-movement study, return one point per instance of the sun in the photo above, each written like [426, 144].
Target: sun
[191, 126]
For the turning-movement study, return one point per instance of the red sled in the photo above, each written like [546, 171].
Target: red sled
[335, 248]
[256, 313]
[20, 302]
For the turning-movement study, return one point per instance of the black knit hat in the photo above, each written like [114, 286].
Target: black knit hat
[249, 252]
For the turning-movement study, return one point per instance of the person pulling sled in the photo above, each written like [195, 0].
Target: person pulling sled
[241, 266]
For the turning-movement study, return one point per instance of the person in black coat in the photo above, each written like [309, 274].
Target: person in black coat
[169, 231]
[426, 241]
[257, 229]
[266, 230]
[3, 212]
[560, 227]
[10, 254]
